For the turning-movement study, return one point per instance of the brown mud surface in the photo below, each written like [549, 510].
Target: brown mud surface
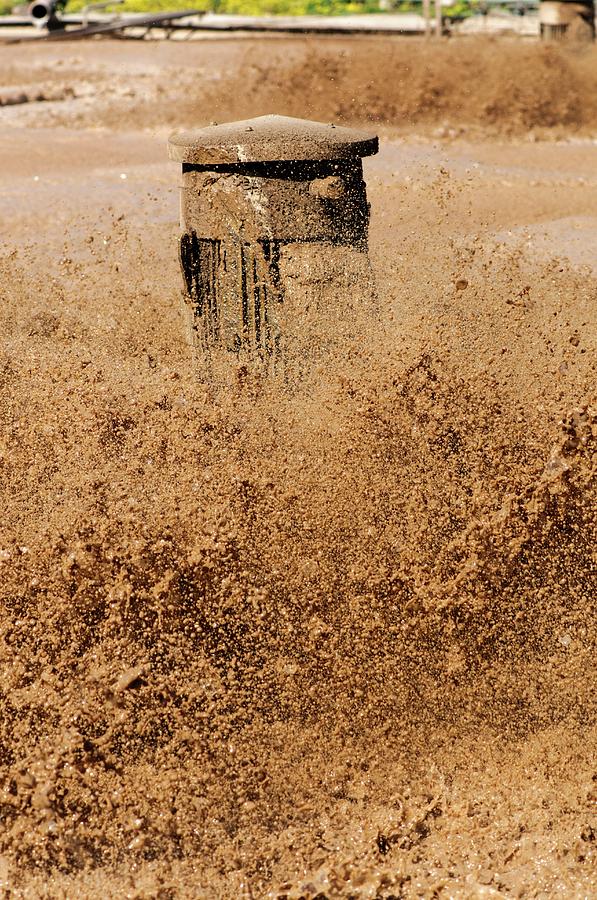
[326, 638]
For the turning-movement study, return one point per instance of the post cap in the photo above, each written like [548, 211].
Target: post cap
[270, 139]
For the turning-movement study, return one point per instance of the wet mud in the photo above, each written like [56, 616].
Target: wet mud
[329, 633]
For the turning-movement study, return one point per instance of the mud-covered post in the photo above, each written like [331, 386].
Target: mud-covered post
[568, 19]
[275, 219]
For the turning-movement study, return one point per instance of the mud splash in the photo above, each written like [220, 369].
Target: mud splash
[500, 87]
[237, 623]
[333, 638]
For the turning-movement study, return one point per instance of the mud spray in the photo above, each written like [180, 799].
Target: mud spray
[328, 641]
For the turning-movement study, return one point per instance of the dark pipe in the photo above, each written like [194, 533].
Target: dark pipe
[43, 12]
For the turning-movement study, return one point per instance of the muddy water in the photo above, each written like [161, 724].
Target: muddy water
[332, 638]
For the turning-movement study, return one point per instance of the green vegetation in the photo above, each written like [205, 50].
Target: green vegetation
[248, 7]
[261, 7]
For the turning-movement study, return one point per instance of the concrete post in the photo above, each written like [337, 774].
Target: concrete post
[560, 19]
[275, 221]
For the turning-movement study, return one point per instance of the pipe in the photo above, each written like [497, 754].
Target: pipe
[43, 12]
